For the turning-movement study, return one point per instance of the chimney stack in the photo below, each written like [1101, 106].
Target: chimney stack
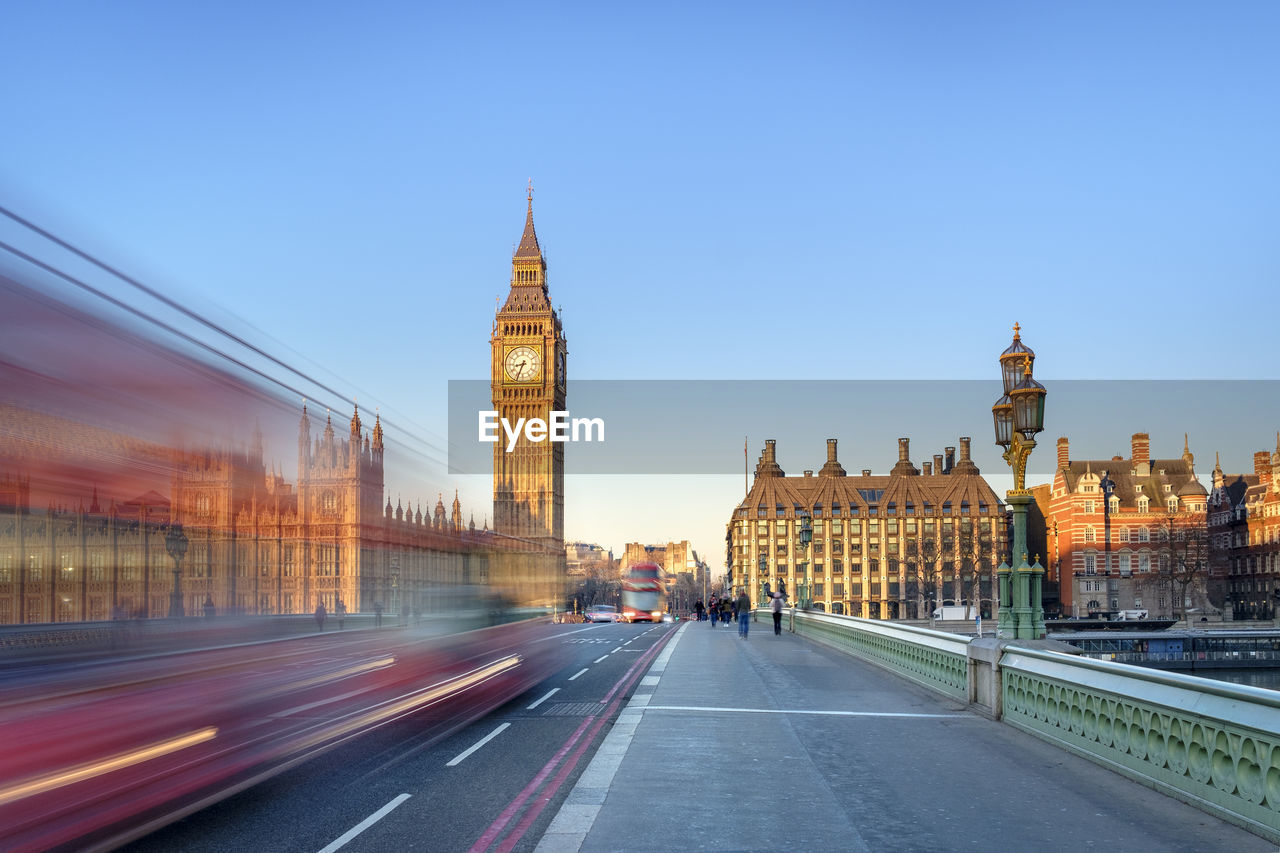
[937, 463]
[965, 441]
[866, 472]
[928, 468]
[951, 458]
[832, 466]
[1141, 444]
[904, 449]
[1262, 467]
[1064, 452]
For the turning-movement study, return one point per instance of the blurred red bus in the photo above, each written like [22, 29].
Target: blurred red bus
[644, 597]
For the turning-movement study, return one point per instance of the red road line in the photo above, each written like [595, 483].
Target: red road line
[500, 823]
[503, 819]
[536, 809]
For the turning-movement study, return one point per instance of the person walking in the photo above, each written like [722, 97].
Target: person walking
[700, 609]
[744, 612]
[713, 612]
[726, 608]
[340, 610]
[776, 607]
[320, 614]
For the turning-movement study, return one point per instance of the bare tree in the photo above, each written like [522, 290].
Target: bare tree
[973, 552]
[927, 574]
[601, 583]
[1183, 560]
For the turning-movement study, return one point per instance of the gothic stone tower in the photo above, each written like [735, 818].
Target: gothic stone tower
[340, 485]
[528, 381]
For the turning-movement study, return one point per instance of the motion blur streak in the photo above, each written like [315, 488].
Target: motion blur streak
[413, 702]
[330, 677]
[98, 768]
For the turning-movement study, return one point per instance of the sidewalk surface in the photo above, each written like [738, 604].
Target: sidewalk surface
[776, 743]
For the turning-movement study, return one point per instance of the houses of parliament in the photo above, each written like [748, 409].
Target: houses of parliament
[257, 544]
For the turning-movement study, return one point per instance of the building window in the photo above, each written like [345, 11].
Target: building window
[1090, 534]
[1090, 563]
[1088, 506]
[1144, 504]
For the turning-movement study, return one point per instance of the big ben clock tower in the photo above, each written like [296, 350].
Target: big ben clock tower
[528, 381]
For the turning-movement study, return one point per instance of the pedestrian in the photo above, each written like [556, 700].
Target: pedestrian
[377, 614]
[340, 610]
[208, 607]
[713, 612]
[700, 609]
[776, 607]
[726, 609]
[744, 612]
[320, 614]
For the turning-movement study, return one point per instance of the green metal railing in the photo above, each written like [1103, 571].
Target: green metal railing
[935, 659]
[1208, 743]
[1211, 744]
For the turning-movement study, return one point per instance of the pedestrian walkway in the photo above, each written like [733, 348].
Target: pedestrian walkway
[777, 743]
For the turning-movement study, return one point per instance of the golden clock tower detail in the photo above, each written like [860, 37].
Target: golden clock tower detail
[528, 381]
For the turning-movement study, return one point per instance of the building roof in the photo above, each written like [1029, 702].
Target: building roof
[1131, 484]
[529, 247]
[906, 487]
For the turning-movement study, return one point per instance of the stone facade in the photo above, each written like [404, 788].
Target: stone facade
[255, 543]
[528, 373]
[887, 546]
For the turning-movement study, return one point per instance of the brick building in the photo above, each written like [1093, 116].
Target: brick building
[1112, 525]
[1244, 535]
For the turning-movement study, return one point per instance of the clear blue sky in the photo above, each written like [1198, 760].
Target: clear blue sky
[736, 190]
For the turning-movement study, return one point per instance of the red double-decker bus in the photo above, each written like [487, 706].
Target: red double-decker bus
[644, 596]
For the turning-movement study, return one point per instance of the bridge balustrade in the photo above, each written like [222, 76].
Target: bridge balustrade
[1211, 744]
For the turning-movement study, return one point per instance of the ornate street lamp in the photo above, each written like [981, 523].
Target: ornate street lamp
[175, 542]
[804, 590]
[761, 576]
[1018, 416]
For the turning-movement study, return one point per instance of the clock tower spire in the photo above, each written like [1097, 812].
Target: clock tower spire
[528, 381]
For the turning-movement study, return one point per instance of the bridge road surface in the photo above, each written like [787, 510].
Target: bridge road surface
[493, 785]
[777, 743]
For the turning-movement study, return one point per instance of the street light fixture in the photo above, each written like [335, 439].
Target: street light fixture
[804, 588]
[175, 542]
[761, 575]
[1018, 416]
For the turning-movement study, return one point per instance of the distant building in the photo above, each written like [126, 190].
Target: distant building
[884, 547]
[675, 558]
[1108, 527]
[255, 543]
[1244, 535]
[580, 554]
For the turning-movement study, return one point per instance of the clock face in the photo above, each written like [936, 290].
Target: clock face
[523, 364]
[560, 367]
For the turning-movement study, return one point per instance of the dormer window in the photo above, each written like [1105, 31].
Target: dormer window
[1168, 487]
[1173, 504]
[1144, 504]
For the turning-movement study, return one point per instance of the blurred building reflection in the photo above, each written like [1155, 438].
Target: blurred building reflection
[257, 544]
